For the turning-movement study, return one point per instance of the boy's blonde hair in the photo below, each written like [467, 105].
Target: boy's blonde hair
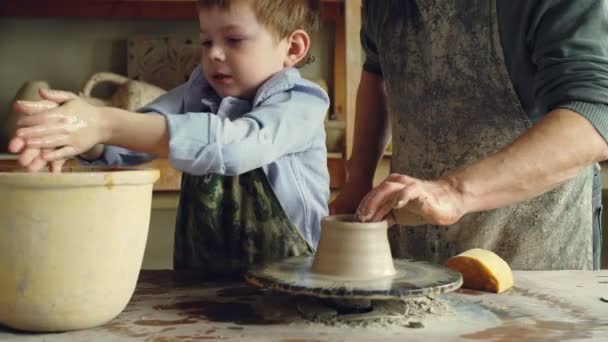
[282, 17]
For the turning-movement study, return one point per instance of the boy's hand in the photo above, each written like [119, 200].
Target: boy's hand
[72, 127]
[31, 158]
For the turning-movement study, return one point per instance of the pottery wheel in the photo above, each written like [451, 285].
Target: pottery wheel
[412, 279]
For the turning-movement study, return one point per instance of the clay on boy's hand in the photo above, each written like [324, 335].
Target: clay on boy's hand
[66, 128]
[32, 158]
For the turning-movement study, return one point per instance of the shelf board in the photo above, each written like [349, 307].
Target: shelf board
[122, 9]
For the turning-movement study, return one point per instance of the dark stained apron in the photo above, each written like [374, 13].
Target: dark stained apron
[225, 224]
[452, 103]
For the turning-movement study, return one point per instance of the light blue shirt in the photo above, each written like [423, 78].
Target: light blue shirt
[281, 130]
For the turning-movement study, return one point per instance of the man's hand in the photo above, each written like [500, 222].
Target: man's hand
[412, 202]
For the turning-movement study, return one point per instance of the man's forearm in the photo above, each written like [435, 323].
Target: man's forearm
[551, 152]
[146, 133]
[372, 129]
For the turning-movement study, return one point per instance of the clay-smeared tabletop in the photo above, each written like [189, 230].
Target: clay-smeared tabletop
[175, 306]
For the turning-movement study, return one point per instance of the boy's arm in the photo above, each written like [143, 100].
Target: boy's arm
[284, 123]
[102, 154]
[198, 143]
[136, 131]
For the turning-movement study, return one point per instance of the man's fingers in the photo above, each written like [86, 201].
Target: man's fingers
[58, 96]
[396, 199]
[374, 200]
[404, 196]
[381, 212]
[406, 205]
[399, 178]
[375, 203]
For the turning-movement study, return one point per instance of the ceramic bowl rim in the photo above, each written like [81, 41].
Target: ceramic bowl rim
[78, 177]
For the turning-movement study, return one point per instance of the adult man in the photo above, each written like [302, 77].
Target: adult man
[498, 113]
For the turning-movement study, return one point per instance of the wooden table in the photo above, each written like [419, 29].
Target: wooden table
[175, 306]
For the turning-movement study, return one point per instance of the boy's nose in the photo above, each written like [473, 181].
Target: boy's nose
[217, 53]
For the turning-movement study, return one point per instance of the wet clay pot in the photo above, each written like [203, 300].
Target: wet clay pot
[353, 250]
[71, 245]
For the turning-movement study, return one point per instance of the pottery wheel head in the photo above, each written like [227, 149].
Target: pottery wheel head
[412, 279]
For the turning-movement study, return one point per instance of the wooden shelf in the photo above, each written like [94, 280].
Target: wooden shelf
[120, 9]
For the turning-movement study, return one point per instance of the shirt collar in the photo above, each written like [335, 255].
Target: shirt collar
[200, 91]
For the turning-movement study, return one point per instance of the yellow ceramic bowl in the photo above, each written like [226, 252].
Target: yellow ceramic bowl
[71, 245]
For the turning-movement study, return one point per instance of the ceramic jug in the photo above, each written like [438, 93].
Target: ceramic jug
[29, 91]
[129, 94]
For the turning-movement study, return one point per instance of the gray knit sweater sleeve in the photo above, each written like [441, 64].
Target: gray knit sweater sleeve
[368, 26]
[568, 41]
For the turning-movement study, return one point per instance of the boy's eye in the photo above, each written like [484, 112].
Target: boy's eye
[206, 43]
[235, 40]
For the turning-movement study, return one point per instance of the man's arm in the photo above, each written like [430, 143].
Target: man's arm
[570, 85]
[551, 152]
[372, 131]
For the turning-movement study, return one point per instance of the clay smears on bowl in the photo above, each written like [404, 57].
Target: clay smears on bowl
[71, 245]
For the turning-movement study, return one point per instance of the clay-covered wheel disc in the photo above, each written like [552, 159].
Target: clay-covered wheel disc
[413, 278]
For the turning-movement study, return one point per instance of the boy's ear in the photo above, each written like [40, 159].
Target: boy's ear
[299, 44]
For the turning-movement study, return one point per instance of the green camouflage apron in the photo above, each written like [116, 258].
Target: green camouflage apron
[451, 103]
[225, 224]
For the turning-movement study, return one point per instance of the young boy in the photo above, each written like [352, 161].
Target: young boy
[246, 130]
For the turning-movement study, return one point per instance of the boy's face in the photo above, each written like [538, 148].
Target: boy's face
[238, 53]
